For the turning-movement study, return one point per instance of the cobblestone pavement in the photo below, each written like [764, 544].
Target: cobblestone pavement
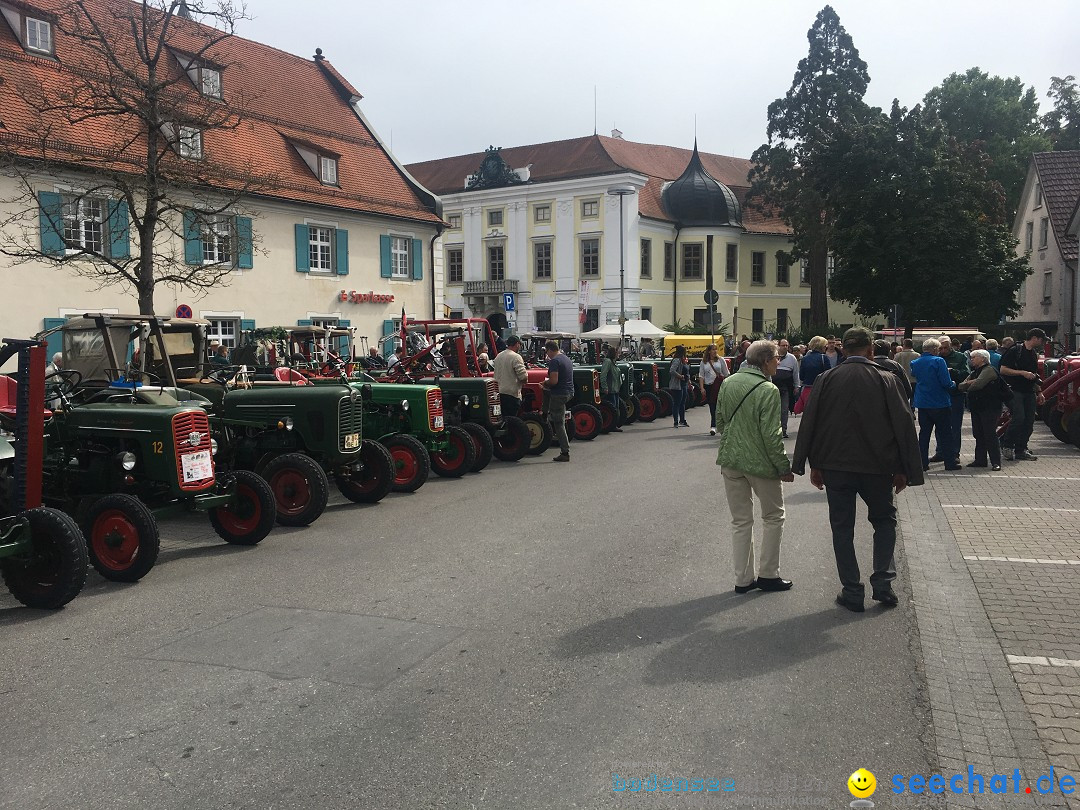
[1018, 531]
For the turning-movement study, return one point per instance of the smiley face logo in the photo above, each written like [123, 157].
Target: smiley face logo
[862, 784]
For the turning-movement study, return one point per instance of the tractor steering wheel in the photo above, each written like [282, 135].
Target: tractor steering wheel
[67, 380]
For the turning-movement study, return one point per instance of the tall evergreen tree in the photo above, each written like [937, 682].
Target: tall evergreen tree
[827, 92]
[1063, 122]
[1000, 115]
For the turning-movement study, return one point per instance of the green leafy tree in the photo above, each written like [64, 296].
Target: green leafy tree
[1000, 115]
[827, 91]
[1063, 122]
[918, 223]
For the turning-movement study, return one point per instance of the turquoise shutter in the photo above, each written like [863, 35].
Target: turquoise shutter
[417, 259]
[52, 223]
[343, 342]
[245, 246]
[119, 230]
[303, 249]
[385, 269]
[344, 323]
[55, 341]
[342, 246]
[303, 323]
[247, 325]
[192, 239]
[387, 330]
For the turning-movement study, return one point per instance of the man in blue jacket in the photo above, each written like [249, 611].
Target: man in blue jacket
[933, 399]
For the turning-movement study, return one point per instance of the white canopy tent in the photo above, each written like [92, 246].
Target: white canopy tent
[634, 328]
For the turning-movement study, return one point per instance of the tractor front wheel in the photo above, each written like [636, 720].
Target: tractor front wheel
[484, 446]
[513, 442]
[1071, 423]
[587, 421]
[376, 478]
[667, 404]
[300, 488]
[650, 406]
[632, 407]
[609, 420]
[122, 537]
[252, 513]
[1059, 426]
[540, 432]
[54, 570]
[411, 464]
[459, 458]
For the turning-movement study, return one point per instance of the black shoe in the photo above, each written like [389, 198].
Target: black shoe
[773, 584]
[850, 604]
[683, 424]
[616, 430]
[936, 457]
[1027, 455]
[977, 464]
[953, 467]
[886, 596]
[745, 588]
[996, 468]
[786, 436]
[561, 457]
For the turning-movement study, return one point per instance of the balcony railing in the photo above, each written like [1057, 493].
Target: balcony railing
[509, 285]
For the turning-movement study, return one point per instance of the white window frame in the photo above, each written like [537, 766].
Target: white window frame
[542, 220]
[215, 332]
[1044, 233]
[699, 260]
[81, 219]
[189, 142]
[316, 246]
[325, 322]
[39, 26]
[581, 256]
[489, 267]
[210, 88]
[460, 250]
[400, 257]
[328, 170]
[1038, 195]
[1029, 235]
[221, 248]
[550, 260]
[590, 209]
[1048, 286]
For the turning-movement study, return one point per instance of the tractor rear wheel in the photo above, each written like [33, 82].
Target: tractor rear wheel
[1071, 423]
[540, 433]
[459, 458]
[632, 407]
[376, 478]
[252, 514]
[587, 421]
[1046, 410]
[411, 463]
[609, 420]
[300, 488]
[1058, 425]
[54, 570]
[650, 406]
[667, 404]
[482, 443]
[122, 537]
[514, 442]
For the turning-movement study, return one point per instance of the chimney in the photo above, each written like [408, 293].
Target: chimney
[617, 134]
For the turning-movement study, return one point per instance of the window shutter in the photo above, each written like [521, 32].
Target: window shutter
[247, 325]
[303, 323]
[192, 239]
[119, 236]
[344, 346]
[387, 330]
[417, 259]
[244, 247]
[342, 237]
[55, 341]
[303, 249]
[52, 223]
[344, 323]
[385, 269]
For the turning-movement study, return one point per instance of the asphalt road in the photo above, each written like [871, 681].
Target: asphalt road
[509, 640]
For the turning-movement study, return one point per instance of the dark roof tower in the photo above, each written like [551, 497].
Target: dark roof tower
[695, 199]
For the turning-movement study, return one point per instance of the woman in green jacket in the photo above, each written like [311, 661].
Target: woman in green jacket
[753, 463]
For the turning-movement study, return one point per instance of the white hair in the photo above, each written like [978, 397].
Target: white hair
[56, 358]
[945, 339]
[983, 353]
[931, 345]
[761, 352]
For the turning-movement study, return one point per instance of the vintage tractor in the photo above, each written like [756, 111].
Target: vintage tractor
[276, 423]
[43, 557]
[653, 400]
[1061, 394]
[120, 453]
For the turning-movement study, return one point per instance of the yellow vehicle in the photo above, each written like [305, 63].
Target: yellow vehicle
[695, 344]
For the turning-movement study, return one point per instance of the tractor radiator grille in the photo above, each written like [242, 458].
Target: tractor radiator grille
[191, 434]
[493, 398]
[435, 409]
[350, 420]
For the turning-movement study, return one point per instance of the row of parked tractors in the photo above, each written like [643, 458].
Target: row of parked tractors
[139, 425]
[1060, 408]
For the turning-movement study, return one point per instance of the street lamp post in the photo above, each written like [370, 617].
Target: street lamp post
[621, 192]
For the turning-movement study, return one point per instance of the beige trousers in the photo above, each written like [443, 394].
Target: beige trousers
[740, 489]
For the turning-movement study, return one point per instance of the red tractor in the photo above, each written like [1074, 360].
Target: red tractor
[1061, 394]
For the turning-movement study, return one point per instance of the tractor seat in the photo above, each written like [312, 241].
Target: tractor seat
[290, 375]
[9, 396]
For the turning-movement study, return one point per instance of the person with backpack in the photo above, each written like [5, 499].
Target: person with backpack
[986, 393]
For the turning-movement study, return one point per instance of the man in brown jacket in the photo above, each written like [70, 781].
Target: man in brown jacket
[859, 437]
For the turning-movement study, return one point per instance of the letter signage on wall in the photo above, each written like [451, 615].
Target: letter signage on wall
[354, 297]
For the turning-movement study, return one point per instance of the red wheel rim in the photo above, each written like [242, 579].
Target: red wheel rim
[608, 418]
[242, 517]
[457, 446]
[406, 465]
[115, 540]
[584, 423]
[291, 491]
[648, 410]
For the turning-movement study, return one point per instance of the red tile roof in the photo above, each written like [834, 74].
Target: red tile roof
[599, 155]
[271, 96]
[1059, 174]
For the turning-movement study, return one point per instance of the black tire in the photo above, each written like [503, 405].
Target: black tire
[609, 420]
[587, 421]
[514, 442]
[1059, 426]
[251, 516]
[54, 571]
[632, 408]
[374, 481]
[482, 443]
[667, 404]
[459, 459]
[121, 537]
[540, 433]
[300, 488]
[1047, 409]
[648, 406]
[693, 396]
[1071, 423]
[411, 463]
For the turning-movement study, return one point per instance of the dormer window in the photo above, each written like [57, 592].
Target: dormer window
[205, 76]
[189, 143]
[39, 35]
[328, 170]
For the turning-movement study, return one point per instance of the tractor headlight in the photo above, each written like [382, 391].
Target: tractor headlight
[127, 461]
[465, 400]
[213, 447]
[404, 404]
[288, 423]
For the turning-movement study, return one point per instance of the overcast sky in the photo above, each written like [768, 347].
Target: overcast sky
[449, 78]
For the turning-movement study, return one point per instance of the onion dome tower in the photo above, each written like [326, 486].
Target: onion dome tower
[696, 199]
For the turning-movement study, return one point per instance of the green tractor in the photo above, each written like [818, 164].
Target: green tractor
[43, 557]
[121, 453]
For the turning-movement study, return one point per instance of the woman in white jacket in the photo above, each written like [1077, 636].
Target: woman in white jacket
[711, 374]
